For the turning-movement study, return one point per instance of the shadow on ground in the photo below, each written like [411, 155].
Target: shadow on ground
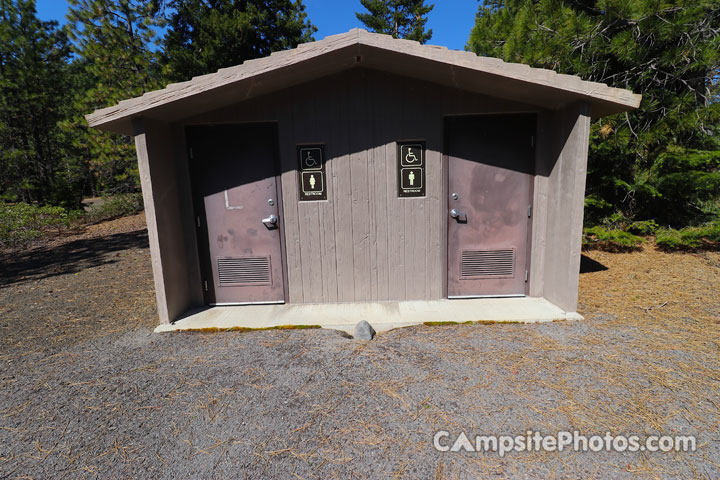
[71, 257]
[588, 265]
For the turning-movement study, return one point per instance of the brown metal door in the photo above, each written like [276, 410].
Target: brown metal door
[235, 189]
[490, 171]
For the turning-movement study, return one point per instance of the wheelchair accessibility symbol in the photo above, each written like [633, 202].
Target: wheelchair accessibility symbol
[411, 155]
[311, 158]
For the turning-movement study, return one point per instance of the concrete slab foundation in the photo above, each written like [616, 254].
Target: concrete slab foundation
[383, 316]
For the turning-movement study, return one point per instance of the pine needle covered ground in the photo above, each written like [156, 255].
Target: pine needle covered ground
[89, 392]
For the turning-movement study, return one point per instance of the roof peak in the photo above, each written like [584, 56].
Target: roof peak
[438, 64]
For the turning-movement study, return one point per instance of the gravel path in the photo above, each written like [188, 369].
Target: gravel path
[89, 392]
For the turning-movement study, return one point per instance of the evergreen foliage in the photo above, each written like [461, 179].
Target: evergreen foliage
[115, 60]
[206, 35]
[657, 166]
[611, 240]
[399, 18]
[702, 237]
[34, 80]
[661, 161]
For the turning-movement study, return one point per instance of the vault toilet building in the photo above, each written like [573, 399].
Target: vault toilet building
[364, 177]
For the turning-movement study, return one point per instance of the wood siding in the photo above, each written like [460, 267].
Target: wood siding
[335, 53]
[363, 242]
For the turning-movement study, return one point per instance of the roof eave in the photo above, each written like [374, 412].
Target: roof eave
[463, 70]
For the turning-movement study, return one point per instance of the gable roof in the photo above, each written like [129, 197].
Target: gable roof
[464, 70]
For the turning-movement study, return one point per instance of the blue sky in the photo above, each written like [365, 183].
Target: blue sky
[450, 20]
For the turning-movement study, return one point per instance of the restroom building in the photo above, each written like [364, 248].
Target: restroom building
[362, 168]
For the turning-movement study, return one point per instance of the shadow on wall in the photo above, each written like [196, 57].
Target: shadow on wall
[71, 257]
[353, 113]
[588, 265]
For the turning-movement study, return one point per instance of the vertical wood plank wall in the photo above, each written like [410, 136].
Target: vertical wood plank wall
[363, 242]
[565, 176]
[165, 189]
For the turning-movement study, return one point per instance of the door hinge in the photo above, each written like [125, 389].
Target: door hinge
[532, 140]
[529, 211]
[198, 221]
[526, 275]
[206, 286]
[191, 153]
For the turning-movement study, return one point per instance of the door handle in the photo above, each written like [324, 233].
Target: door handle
[270, 221]
[458, 215]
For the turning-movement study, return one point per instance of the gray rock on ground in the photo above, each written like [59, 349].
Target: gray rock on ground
[364, 331]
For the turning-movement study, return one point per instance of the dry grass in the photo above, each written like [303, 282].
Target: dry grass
[649, 363]
[663, 286]
[312, 404]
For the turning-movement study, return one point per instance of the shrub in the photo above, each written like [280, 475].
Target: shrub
[116, 206]
[611, 240]
[669, 239]
[644, 227]
[22, 222]
[705, 237]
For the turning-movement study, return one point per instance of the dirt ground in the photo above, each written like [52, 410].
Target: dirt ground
[88, 391]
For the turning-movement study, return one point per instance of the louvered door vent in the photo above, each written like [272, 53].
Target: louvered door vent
[487, 263]
[244, 271]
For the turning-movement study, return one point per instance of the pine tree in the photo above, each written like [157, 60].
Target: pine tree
[116, 59]
[662, 161]
[33, 96]
[399, 18]
[206, 35]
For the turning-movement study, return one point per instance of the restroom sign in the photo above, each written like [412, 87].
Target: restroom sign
[311, 158]
[313, 183]
[411, 169]
[311, 162]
